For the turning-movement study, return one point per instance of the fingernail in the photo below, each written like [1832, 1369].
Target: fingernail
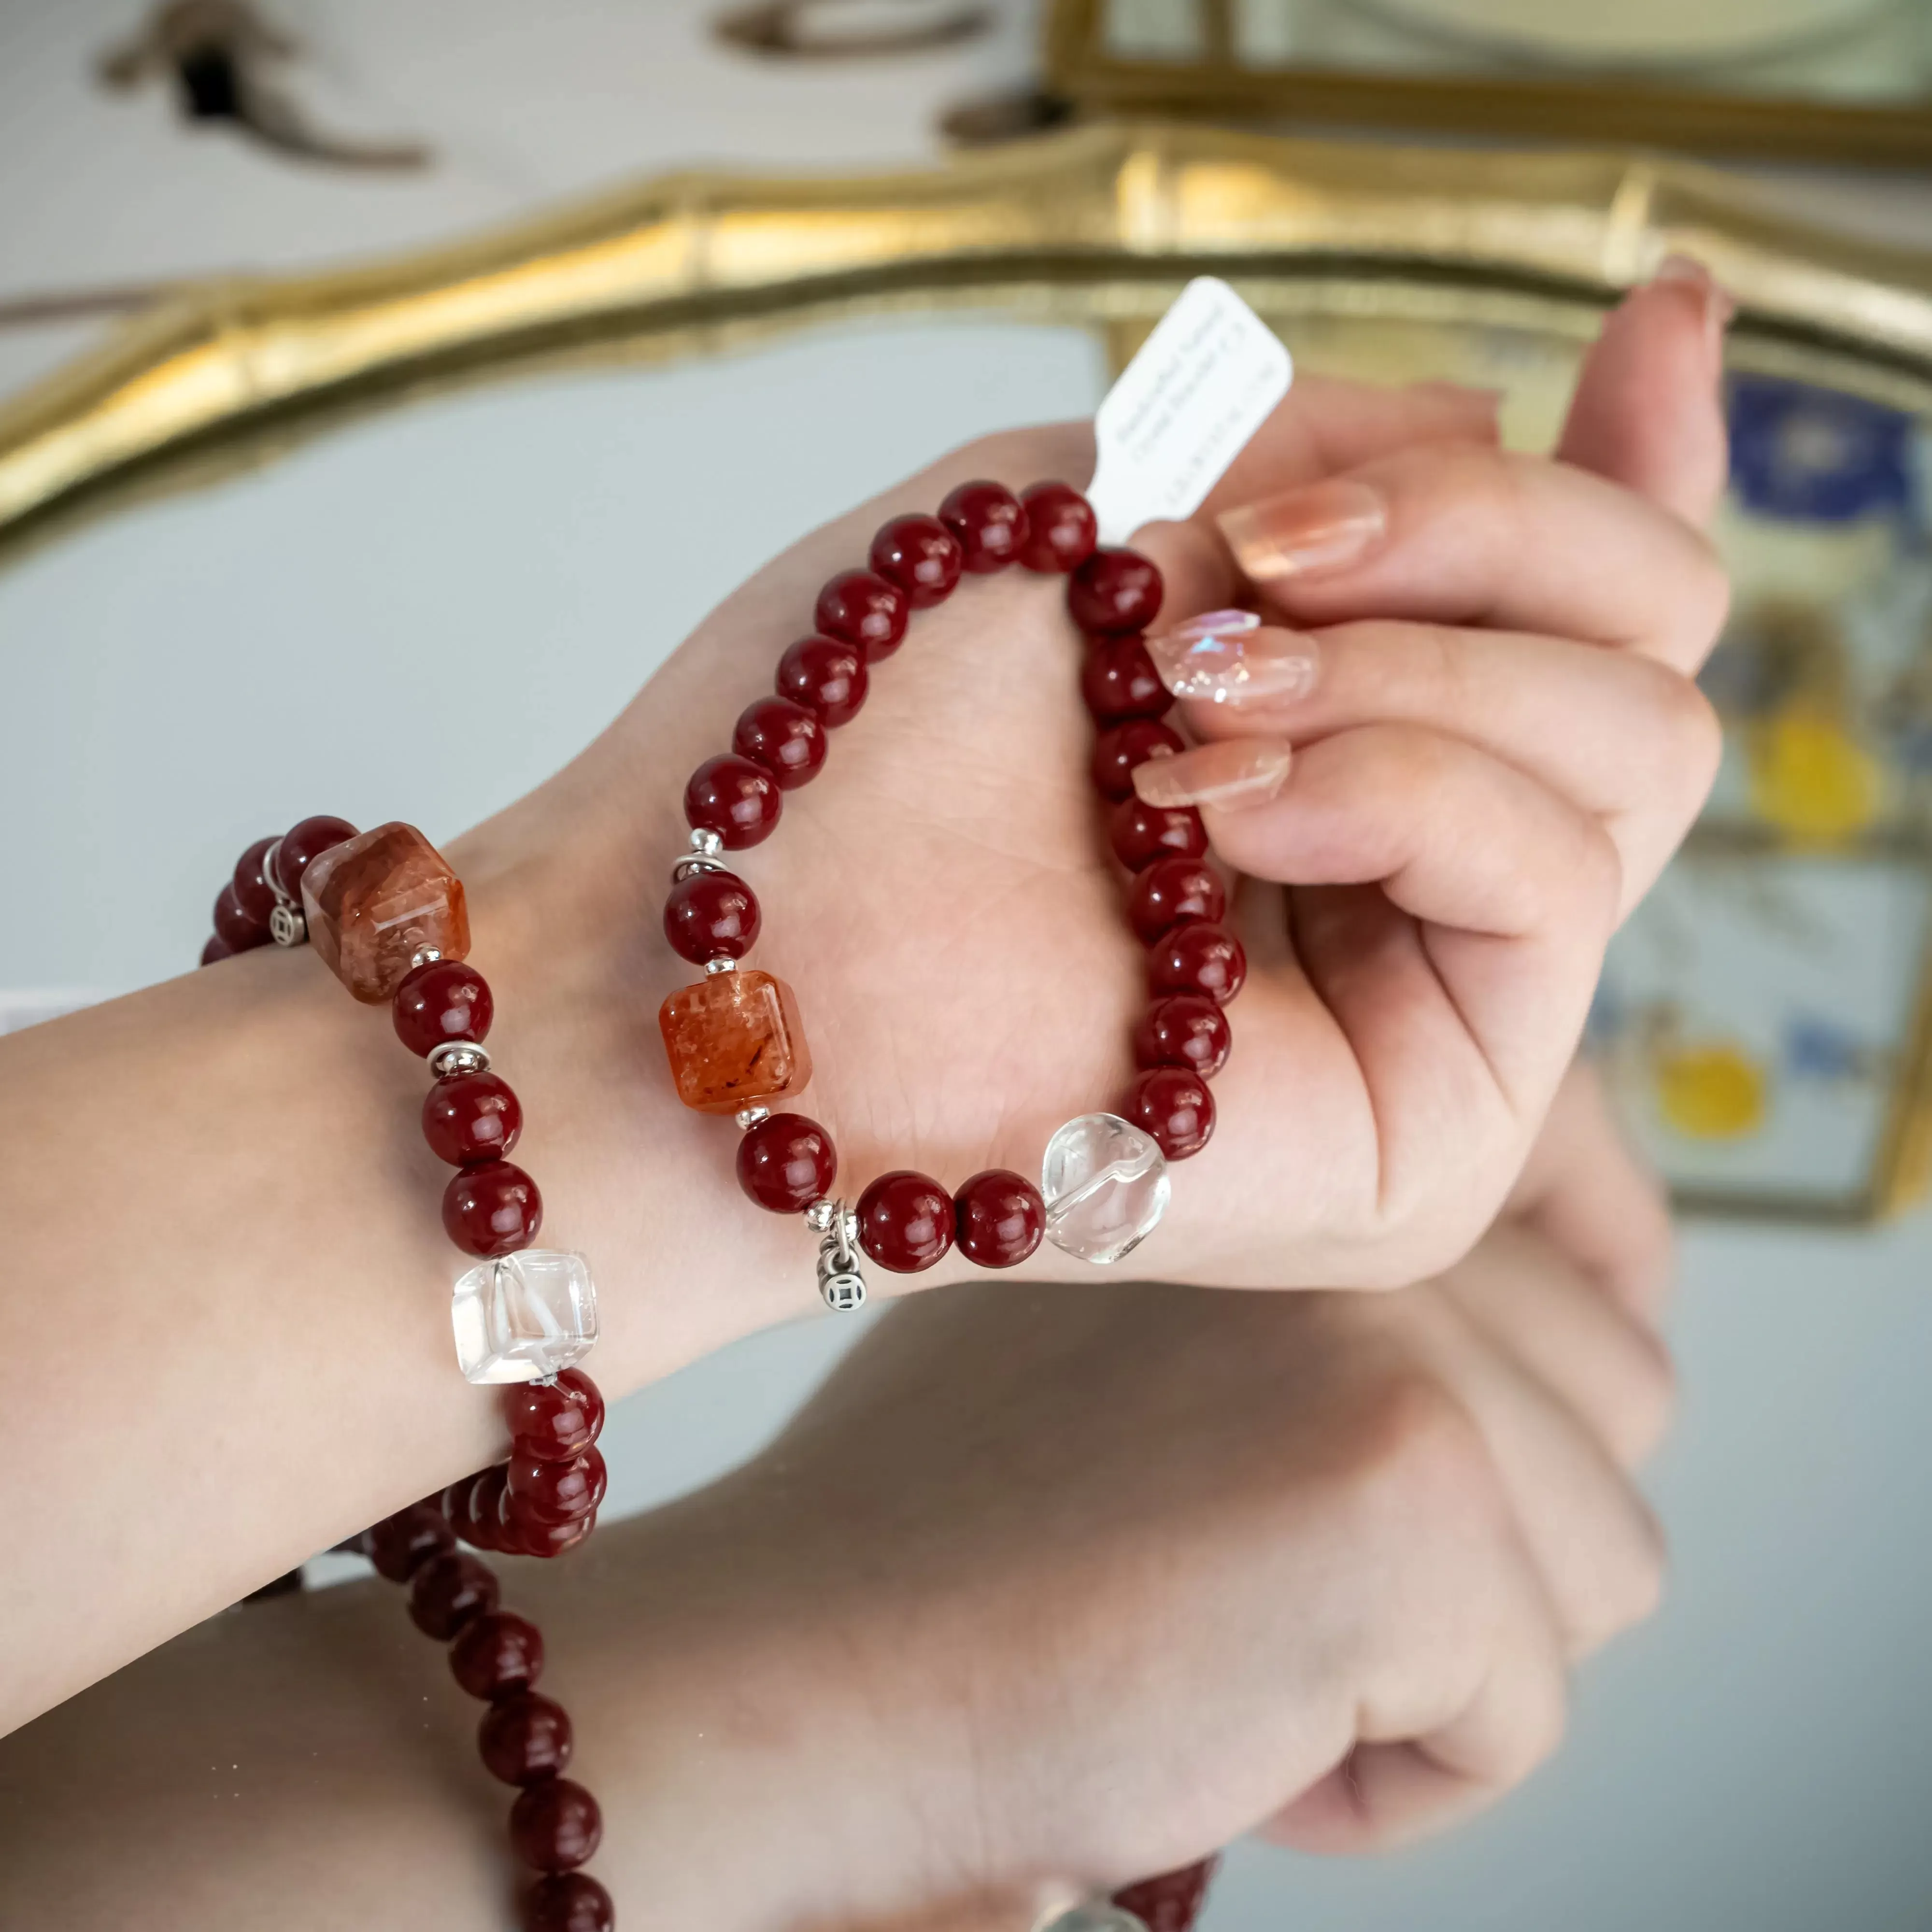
[1686, 272]
[1227, 658]
[1230, 776]
[1324, 526]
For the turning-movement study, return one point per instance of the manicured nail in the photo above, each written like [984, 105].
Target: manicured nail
[1227, 658]
[1324, 526]
[1688, 272]
[1232, 775]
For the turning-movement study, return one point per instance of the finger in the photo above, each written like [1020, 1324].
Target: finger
[1584, 1189]
[1646, 413]
[1455, 533]
[1605, 1369]
[1624, 738]
[1516, 891]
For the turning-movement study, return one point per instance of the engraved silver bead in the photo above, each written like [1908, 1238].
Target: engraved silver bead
[287, 925]
[749, 1117]
[457, 1056]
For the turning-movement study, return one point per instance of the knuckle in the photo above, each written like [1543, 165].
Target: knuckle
[1705, 597]
[1637, 1588]
[1417, 1453]
[1646, 1403]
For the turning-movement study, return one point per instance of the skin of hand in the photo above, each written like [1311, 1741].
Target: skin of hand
[221, 1215]
[1047, 1587]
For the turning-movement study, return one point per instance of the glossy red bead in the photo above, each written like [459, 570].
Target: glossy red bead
[905, 1221]
[859, 606]
[554, 1421]
[555, 1539]
[439, 1001]
[1171, 892]
[233, 927]
[918, 555]
[399, 1545]
[988, 522]
[1119, 682]
[217, 949]
[1121, 747]
[998, 1218]
[447, 1591]
[567, 1902]
[787, 1162]
[827, 675]
[303, 842]
[711, 915]
[1061, 531]
[1197, 958]
[556, 1825]
[252, 893]
[480, 1525]
[497, 1654]
[493, 1208]
[1140, 833]
[1184, 1030]
[547, 1491]
[525, 1737]
[1175, 1106]
[471, 1117]
[1114, 590]
[785, 738]
[734, 798]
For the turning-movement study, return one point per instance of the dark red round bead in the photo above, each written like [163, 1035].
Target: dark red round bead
[905, 1221]
[1140, 833]
[492, 1209]
[556, 1825]
[1114, 590]
[1121, 747]
[1172, 1901]
[1119, 682]
[447, 1591]
[399, 1545]
[1171, 892]
[217, 949]
[441, 1000]
[734, 798]
[554, 1421]
[496, 1655]
[569, 1902]
[988, 523]
[252, 893]
[825, 675]
[233, 927]
[555, 1539]
[547, 1492]
[1197, 958]
[1184, 1030]
[711, 915]
[784, 737]
[1061, 532]
[524, 1739]
[787, 1162]
[471, 1117]
[302, 842]
[998, 1218]
[1175, 1106]
[919, 555]
[859, 607]
[481, 1526]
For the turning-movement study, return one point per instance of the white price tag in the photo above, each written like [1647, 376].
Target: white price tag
[1203, 383]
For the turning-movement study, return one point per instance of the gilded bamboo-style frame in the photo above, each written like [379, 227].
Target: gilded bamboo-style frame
[1098, 227]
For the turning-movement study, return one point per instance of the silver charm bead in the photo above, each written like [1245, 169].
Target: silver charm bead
[841, 1285]
[722, 963]
[287, 925]
[749, 1117]
[457, 1056]
[842, 1288]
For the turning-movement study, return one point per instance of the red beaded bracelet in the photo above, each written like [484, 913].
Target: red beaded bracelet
[386, 913]
[735, 1039]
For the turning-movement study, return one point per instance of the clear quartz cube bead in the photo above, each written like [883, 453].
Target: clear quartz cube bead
[1106, 1186]
[524, 1317]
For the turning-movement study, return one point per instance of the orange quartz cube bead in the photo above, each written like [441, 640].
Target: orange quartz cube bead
[376, 902]
[735, 1040]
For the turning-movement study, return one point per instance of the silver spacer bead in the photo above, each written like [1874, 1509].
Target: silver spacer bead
[457, 1056]
[706, 855]
[423, 955]
[749, 1117]
[722, 963]
[287, 925]
[684, 869]
[820, 1216]
[706, 843]
[268, 858]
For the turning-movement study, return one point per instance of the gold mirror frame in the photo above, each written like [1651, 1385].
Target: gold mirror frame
[1096, 227]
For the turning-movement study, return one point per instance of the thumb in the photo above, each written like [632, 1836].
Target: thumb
[1647, 413]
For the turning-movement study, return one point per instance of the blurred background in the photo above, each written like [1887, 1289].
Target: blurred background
[189, 655]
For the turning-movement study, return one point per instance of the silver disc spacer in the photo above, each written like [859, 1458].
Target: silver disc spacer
[286, 925]
[841, 1285]
[749, 1117]
[457, 1056]
[706, 855]
[724, 963]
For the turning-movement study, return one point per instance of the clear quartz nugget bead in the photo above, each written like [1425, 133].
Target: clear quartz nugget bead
[1106, 1186]
[524, 1317]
